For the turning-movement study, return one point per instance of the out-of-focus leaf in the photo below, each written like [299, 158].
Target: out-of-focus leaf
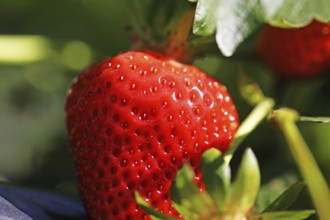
[285, 215]
[188, 199]
[287, 198]
[9, 212]
[216, 177]
[295, 13]
[246, 185]
[154, 214]
[43, 205]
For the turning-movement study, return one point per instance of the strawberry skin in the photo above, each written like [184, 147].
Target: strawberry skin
[298, 52]
[133, 120]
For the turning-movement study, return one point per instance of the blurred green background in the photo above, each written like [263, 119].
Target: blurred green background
[45, 44]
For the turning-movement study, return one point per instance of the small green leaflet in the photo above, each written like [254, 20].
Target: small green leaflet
[244, 190]
[287, 198]
[188, 199]
[285, 215]
[216, 177]
[154, 214]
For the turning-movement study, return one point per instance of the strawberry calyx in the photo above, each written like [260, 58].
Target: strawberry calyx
[178, 46]
[172, 37]
[223, 199]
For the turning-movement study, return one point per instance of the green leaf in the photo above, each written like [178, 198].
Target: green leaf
[154, 214]
[232, 21]
[236, 20]
[188, 199]
[274, 188]
[205, 17]
[216, 177]
[295, 13]
[246, 185]
[287, 198]
[285, 215]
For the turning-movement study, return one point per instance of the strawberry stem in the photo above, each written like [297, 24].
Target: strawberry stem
[138, 31]
[260, 111]
[137, 18]
[166, 28]
[316, 183]
[178, 46]
[314, 119]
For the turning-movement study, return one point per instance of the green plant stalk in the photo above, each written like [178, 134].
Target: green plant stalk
[316, 183]
[260, 111]
[137, 18]
[177, 47]
[314, 119]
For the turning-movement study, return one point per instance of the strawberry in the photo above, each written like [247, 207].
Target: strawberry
[296, 52]
[133, 120]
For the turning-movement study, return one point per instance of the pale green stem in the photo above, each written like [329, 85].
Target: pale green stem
[309, 169]
[259, 112]
[314, 119]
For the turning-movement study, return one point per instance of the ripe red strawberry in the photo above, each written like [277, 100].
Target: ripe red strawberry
[133, 120]
[296, 53]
